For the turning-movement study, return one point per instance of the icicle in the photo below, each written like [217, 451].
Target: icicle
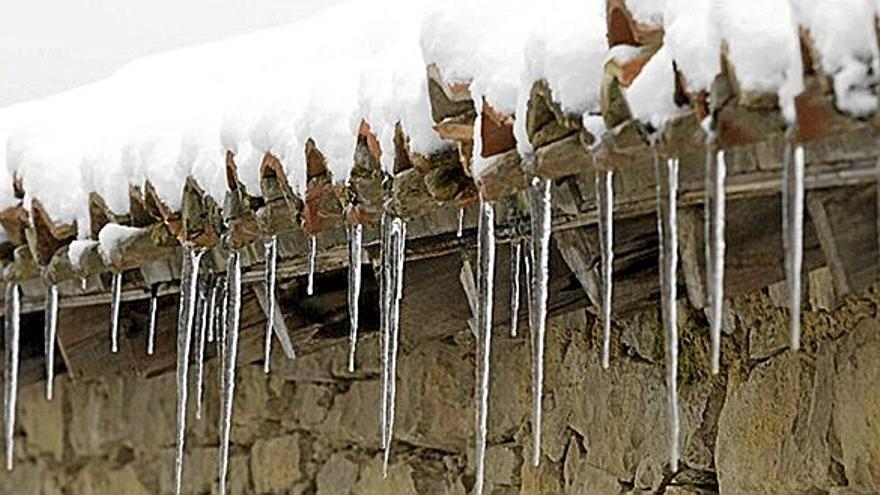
[115, 303]
[384, 312]
[271, 253]
[355, 242]
[229, 344]
[51, 329]
[485, 298]
[460, 223]
[539, 204]
[515, 262]
[313, 257]
[186, 313]
[12, 340]
[83, 283]
[212, 307]
[667, 191]
[605, 195]
[793, 234]
[151, 332]
[392, 272]
[716, 171]
[202, 328]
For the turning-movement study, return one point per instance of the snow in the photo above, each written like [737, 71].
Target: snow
[566, 47]
[845, 40]
[169, 116]
[693, 42]
[111, 236]
[76, 249]
[763, 47]
[647, 11]
[651, 95]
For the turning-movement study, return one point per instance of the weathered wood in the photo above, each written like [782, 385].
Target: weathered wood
[447, 100]
[846, 224]
[624, 29]
[238, 210]
[14, 220]
[100, 214]
[200, 217]
[754, 257]
[635, 272]
[545, 120]
[45, 236]
[158, 209]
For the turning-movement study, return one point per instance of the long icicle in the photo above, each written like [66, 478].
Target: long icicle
[384, 325]
[667, 191]
[201, 333]
[12, 334]
[151, 332]
[189, 278]
[716, 172]
[605, 195]
[230, 356]
[51, 330]
[355, 244]
[271, 254]
[485, 298]
[793, 232]
[515, 263]
[313, 260]
[212, 307]
[115, 304]
[397, 245]
[540, 207]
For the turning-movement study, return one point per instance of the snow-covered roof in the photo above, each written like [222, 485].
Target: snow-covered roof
[173, 115]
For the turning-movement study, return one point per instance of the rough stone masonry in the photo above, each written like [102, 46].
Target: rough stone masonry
[773, 422]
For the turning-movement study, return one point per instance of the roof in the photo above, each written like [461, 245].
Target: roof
[300, 129]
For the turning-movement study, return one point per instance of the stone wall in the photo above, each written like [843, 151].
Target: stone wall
[773, 422]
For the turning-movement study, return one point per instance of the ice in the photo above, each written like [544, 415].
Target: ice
[667, 191]
[212, 307]
[515, 263]
[188, 283]
[460, 230]
[201, 330]
[540, 207]
[313, 257]
[229, 346]
[605, 195]
[793, 234]
[485, 298]
[51, 330]
[115, 304]
[716, 171]
[393, 260]
[271, 255]
[11, 337]
[355, 242]
[151, 332]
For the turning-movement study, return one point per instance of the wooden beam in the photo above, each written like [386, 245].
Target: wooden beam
[754, 256]
[846, 224]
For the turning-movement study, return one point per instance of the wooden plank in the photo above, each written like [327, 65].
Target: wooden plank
[635, 274]
[754, 257]
[846, 224]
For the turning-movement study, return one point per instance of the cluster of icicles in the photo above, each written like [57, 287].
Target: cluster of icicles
[214, 311]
